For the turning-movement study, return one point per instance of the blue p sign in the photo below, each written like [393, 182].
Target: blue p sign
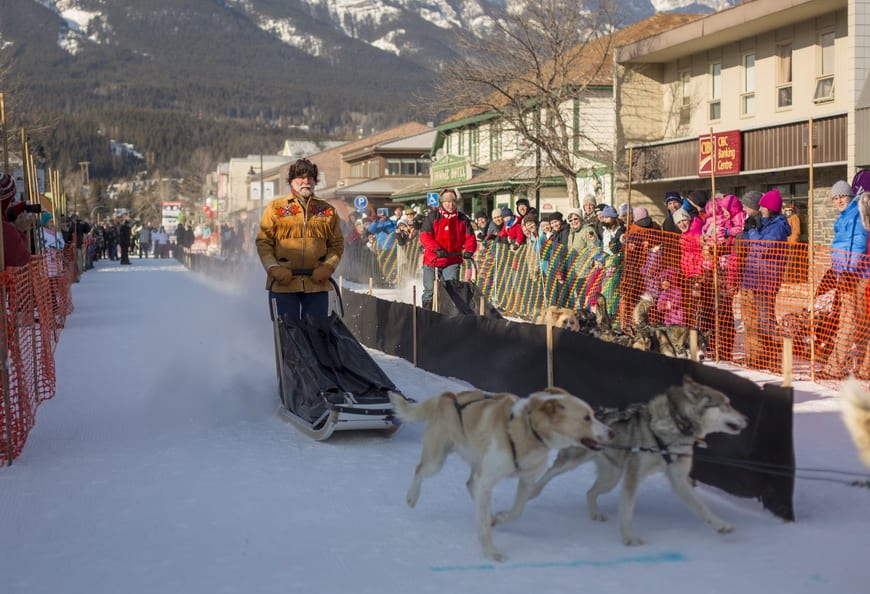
[360, 202]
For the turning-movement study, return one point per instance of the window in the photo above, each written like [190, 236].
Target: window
[474, 144]
[460, 141]
[747, 97]
[495, 141]
[685, 100]
[824, 67]
[783, 76]
[407, 167]
[715, 102]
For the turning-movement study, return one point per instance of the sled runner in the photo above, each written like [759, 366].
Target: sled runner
[327, 381]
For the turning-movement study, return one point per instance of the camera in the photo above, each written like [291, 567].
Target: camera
[33, 208]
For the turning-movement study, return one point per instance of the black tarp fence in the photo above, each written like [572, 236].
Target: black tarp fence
[501, 355]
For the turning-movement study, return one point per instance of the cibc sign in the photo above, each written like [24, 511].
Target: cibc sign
[719, 153]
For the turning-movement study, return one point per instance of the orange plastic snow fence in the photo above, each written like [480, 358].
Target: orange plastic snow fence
[37, 302]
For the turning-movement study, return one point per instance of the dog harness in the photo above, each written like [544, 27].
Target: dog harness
[460, 407]
[611, 416]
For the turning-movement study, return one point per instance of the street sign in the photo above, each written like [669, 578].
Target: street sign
[432, 199]
[360, 203]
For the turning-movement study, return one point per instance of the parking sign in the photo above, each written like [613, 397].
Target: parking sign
[432, 199]
[360, 202]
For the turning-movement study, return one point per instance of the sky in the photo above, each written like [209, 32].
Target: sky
[161, 466]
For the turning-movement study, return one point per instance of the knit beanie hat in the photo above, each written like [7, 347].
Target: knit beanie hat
[772, 201]
[7, 189]
[680, 215]
[841, 188]
[522, 201]
[599, 207]
[506, 212]
[481, 214]
[496, 212]
[555, 216]
[609, 211]
[447, 191]
[699, 198]
[589, 199]
[639, 212]
[573, 212]
[530, 218]
[750, 199]
[673, 196]
[623, 209]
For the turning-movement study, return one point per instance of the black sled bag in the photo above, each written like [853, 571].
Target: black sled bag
[323, 363]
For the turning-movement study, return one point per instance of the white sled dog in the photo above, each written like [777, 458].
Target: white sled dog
[499, 436]
[654, 437]
[856, 416]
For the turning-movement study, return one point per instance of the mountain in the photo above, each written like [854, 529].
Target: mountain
[330, 67]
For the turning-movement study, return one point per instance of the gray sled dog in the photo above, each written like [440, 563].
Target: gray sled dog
[499, 436]
[856, 416]
[654, 437]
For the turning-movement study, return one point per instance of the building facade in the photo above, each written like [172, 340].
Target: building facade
[763, 95]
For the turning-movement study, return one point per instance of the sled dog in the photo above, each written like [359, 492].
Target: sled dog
[672, 340]
[605, 331]
[654, 437]
[856, 415]
[499, 436]
[559, 317]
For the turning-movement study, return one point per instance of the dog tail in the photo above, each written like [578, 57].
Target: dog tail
[411, 412]
[602, 318]
[856, 416]
[640, 315]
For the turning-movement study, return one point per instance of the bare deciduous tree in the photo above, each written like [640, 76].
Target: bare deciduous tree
[543, 58]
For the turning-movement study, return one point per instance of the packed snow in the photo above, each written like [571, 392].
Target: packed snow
[162, 466]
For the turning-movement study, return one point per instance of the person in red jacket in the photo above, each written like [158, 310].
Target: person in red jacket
[512, 230]
[447, 237]
[16, 251]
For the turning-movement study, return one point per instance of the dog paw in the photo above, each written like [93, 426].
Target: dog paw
[598, 516]
[632, 541]
[497, 557]
[725, 528]
[499, 518]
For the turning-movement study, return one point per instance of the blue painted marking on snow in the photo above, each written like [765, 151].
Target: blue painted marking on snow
[665, 557]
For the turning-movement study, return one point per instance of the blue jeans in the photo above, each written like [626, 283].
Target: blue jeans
[450, 272]
[299, 305]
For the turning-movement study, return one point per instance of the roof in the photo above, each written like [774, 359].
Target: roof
[496, 175]
[379, 185]
[421, 142]
[752, 17]
[592, 61]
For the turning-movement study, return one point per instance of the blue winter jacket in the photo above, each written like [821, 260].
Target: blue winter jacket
[849, 247]
[765, 260]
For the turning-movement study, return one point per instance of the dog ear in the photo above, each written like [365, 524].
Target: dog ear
[550, 407]
[692, 389]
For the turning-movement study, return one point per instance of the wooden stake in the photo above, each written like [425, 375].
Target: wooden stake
[550, 352]
[414, 323]
[787, 361]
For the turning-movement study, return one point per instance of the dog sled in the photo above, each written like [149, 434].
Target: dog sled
[327, 381]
